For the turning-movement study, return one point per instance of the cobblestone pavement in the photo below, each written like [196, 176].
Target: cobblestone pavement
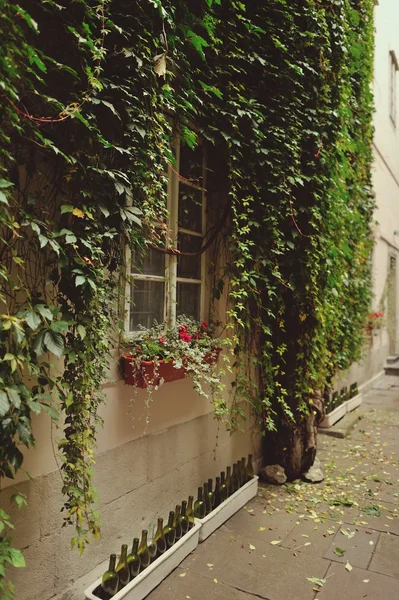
[332, 541]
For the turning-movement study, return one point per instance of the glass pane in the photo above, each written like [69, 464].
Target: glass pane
[191, 163]
[148, 262]
[147, 303]
[189, 267]
[189, 299]
[190, 208]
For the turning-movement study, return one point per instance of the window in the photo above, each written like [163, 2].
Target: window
[392, 96]
[164, 286]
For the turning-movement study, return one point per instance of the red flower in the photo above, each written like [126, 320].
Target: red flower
[204, 325]
[184, 336]
[162, 340]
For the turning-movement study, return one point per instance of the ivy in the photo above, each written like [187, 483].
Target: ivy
[91, 93]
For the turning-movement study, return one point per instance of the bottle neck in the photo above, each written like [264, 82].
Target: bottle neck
[144, 537]
[209, 485]
[217, 484]
[200, 493]
[183, 508]
[124, 552]
[171, 518]
[205, 488]
[228, 471]
[160, 525]
[190, 502]
[177, 511]
[222, 475]
[112, 561]
[135, 545]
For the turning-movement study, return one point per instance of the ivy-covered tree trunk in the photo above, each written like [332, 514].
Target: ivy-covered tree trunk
[294, 446]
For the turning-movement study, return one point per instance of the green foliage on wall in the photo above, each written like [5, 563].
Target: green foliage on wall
[280, 92]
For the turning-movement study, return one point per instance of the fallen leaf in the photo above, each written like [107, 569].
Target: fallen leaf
[262, 528]
[209, 565]
[316, 580]
[348, 567]
[251, 547]
[371, 543]
[366, 580]
[275, 542]
[182, 575]
[215, 580]
[339, 551]
[160, 65]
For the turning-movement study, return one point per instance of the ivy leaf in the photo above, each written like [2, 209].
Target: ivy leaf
[14, 397]
[129, 213]
[16, 558]
[373, 510]
[59, 326]
[44, 311]
[339, 551]
[54, 342]
[160, 65]
[82, 331]
[198, 42]
[80, 280]
[32, 319]
[4, 403]
[316, 580]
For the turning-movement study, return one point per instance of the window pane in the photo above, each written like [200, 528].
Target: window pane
[147, 303]
[191, 162]
[189, 299]
[190, 208]
[148, 262]
[189, 267]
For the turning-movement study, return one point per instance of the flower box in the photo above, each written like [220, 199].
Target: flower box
[150, 372]
[341, 410]
[152, 576]
[156, 373]
[226, 509]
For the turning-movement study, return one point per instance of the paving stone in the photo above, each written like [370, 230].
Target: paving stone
[262, 571]
[386, 557]
[194, 586]
[345, 585]
[359, 549]
[309, 538]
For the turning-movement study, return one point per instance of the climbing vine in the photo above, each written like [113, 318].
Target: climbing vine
[91, 93]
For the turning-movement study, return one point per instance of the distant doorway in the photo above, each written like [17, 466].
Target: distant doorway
[391, 317]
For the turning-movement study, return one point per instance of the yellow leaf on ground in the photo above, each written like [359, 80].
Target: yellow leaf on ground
[209, 564]
[348, 567]
[366, 580]
[182, 575]
[275, 542]
[251, 547]
[215, 580]
[262, 528]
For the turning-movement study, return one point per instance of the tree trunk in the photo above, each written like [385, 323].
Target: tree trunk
[294, 446]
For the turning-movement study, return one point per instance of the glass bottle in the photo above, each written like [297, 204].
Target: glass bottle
[211, 494]
[207, 500]
[244, 477]
[229, 481]
[199, 505]
[110, 579]
[152, 550]
[224, 492]
[133, 560]
[143, 550]
[190, 512]
[184, 522]
[218, 497]
[250, 469]
[122, 568]
[169, 531]
[234, 478]
[176, 522]
[159, 539]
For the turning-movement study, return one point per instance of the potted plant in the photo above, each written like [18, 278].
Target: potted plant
[163, 354]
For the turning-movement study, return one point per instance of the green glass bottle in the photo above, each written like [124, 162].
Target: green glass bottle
[224, 492]
[250, 469]
[176, 522]
[207, 500]
[218, 497]
[184, 522]
[211, 494]
[159, 539]
[122, 568]
[152, 550]
[143, 550]
[169, 531]
[244, 476]
[133, 560]
[234, 477]
[229, 481]
[190, 511]
[199, 505]
[110, 579]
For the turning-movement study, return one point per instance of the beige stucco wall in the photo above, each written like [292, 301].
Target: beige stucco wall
[149, 459]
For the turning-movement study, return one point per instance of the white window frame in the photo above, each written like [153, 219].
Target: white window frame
[171, 278]
[394, 67]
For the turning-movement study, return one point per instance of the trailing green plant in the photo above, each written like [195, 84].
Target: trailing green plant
[91, 92]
